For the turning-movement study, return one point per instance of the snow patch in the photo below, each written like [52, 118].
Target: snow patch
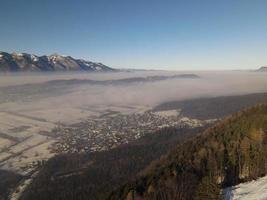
[34, 58]
[87, 64]
[256, 189]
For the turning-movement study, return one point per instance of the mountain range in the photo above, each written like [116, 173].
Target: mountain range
[29, 62]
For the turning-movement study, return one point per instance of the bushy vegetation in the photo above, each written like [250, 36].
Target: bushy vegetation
[226, 154]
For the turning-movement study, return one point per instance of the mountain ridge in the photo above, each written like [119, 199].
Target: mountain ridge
[15, 62]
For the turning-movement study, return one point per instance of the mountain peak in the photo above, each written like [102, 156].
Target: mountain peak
[263, 69]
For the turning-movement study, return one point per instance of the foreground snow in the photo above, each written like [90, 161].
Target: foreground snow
[253, 190]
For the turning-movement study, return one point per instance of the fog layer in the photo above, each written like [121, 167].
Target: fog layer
[68, 102]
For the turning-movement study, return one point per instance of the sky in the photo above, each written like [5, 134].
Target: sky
[147, 34]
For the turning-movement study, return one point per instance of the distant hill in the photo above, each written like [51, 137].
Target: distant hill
[213, 107]
[29, 62]
[130, 80]
[263, 69]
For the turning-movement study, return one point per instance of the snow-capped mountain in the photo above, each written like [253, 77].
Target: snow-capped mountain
[262, 69]
[30, 62]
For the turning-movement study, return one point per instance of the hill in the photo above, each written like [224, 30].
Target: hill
[131, 80]
[213, 107]
[28, 62]
[226, 154]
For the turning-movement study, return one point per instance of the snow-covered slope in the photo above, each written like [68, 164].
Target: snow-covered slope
[253, 190]
[30, 62]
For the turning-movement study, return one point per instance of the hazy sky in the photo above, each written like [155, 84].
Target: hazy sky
[159, 34]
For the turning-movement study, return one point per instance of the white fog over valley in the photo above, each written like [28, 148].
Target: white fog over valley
[35, 95]
[33, 105]
[31, 100]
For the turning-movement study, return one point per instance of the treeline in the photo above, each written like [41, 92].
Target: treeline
[215, 107]
[233, 151]
[96, 175]
[8, 180]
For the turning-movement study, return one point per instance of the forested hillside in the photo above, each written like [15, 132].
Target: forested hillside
[230, 152]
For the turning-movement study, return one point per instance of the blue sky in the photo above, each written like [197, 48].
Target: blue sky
[158, 34]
